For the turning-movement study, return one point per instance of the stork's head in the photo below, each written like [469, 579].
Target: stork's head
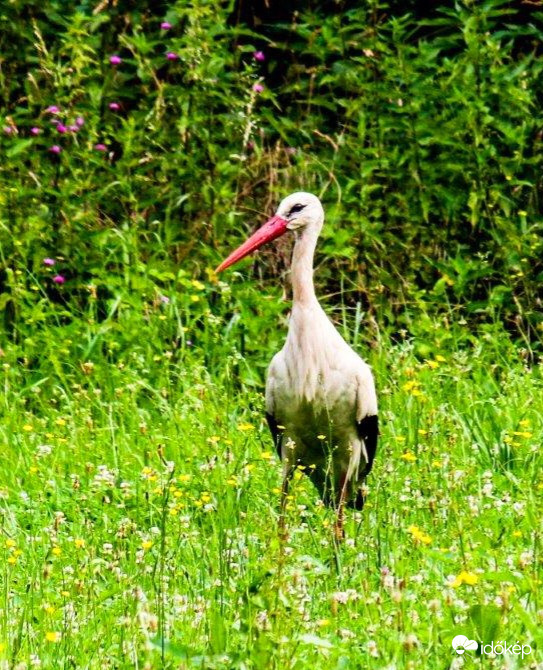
[298, 212]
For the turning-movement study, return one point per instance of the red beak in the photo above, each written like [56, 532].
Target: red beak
[271, 230]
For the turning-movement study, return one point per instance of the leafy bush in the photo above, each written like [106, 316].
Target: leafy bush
[421, 132]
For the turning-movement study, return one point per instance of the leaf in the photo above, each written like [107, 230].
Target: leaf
[486, 620]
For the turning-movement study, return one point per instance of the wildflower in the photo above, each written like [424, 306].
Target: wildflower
[55, 149]
[244, 427]
[80, 121]
[198, 285]
[61, 128]
[419, 535]
[258, 88]
[409, 457]
[35, 130]
[171, 55]
[399, 438]
[59, 279]
[321, 437]
[146, 545]
[266, 455]
[100, 147]
[464, 577]
[52, 109]
[115, 60]
[164, 300]
[73, 128]
[28, 428]
[521, 212]
[422, 432]
[259, 56]
[10, 544]
[114, 106]
[165, 25]
[432, 364]
[56, 551]
[52, 636]
[8, 130]
[12, 560]
[79, 543]
[440, 358]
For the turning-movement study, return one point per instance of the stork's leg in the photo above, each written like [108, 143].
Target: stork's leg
[338, 527]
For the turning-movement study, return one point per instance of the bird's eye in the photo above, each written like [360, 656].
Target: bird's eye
[295, 208]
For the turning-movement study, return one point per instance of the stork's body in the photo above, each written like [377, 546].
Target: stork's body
[320, 395]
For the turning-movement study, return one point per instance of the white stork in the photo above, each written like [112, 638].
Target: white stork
[320, 395]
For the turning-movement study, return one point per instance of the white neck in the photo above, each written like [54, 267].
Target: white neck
[301, 270]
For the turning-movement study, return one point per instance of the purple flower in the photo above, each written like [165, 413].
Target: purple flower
[80, 121]
[53, 109]
[171, 55]
[258, 88]
[115, 60]
[59, 279]
[291, 151]
[49, 262]
[35, 130]
[165, 25]
[259, 56]
[61, 128]
[55, 149]
[73, 128]
[8, 130]
[114, 106]
[164, 300]
[100, 147]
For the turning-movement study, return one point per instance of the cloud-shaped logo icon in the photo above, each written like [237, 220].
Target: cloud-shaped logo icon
[461, 644]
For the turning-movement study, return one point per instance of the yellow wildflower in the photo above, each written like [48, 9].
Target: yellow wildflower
[440, 358]
[56, 551]
[146, 545]
[419, 535]
[469, 578]
[409, 457]
[60, 421]
[52, 636]
[79, 543]
[244, 427]
[321, 437]
[28, 428]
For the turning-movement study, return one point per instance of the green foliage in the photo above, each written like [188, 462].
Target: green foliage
[421, 134]
[138, 488]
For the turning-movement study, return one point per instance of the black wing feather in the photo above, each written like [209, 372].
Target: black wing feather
[276, 433]
[368, 430]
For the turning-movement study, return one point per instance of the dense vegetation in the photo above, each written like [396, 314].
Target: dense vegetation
[141, 141]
